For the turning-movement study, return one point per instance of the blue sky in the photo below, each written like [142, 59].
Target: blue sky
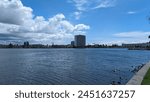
[103, 21]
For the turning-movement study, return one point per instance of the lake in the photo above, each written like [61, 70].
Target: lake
[89, 66]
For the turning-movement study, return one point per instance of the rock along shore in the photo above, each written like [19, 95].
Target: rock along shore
[138, 77]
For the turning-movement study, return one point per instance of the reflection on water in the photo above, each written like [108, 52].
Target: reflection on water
[68, 66]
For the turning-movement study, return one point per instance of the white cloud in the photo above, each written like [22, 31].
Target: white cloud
[80, 27]
[134, 34]
[124, 37]
[81, 5]
[132, 37]
[105, 4]
[131, 12]
[77, 15]
[17, 20]
[13, 12]
[86, 5]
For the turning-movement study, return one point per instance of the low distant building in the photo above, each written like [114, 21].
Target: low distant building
[80, 41]
[136, 45]
[26, 44]
[72, 43]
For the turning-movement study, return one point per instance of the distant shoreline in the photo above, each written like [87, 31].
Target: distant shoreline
[57, 46]
[36, 46]
[67, 48]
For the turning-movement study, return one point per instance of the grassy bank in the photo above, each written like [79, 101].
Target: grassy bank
[146, 80]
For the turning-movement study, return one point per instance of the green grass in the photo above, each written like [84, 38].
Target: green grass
[146, 80]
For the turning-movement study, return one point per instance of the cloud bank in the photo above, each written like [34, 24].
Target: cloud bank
[18, 22]
[133, 37]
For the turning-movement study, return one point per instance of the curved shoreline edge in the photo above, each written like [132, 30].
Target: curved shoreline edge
[139, 76]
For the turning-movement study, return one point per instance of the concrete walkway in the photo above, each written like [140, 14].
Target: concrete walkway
[138, 77]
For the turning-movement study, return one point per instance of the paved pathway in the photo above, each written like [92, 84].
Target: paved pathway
[138, 77]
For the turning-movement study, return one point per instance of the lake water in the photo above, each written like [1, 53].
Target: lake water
[68, 66]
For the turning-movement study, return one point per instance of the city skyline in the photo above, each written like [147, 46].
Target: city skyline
[102, 21]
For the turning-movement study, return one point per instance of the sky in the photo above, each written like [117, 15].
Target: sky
[57, 21]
